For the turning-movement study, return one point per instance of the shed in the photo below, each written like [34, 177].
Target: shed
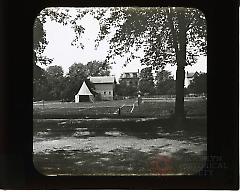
[84, 94]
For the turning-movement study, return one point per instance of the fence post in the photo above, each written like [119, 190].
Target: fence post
[139, 99]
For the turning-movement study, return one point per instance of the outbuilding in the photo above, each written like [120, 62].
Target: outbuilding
[104, 86]
[84, 94]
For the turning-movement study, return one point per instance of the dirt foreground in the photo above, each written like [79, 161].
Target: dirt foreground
[140, 146]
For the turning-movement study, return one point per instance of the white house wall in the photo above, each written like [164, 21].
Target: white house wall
[106, 90]
[76, 98]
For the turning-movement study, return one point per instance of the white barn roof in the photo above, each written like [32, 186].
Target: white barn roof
[102, 79]
[84, 90]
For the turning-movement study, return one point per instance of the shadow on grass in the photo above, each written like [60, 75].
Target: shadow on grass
[119, 162]
[149, 128]
[125, 160]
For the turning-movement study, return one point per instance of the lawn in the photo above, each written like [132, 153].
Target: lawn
[118, 108]
[97, 139]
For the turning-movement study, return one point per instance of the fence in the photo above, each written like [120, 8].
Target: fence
[160, 98]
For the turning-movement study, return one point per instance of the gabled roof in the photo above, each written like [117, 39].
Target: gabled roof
[190, 75]
[102, 79]
[84, 90]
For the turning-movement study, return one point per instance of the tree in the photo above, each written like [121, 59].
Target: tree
[39, 43]
[199, 84]
[96, 68]
[165, 84]
[122, 89]
[146, 84]
[78, 71]
[59, 15]
[168, 35]
[55, 81]
[40, 84]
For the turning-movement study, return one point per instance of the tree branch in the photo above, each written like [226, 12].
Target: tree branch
[173, 31]
[192, 19]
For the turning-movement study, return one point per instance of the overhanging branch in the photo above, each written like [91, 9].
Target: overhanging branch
[173, 31]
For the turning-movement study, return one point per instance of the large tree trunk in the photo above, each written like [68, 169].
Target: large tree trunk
[179, 103]
[180, 73]
[179, 44]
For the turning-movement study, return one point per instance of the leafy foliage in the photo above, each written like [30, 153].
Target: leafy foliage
[199, 84]
[62, 16]
[122, 89]
[165, 84]
[158, 31]
[96, 68]
[146, 84]
[55, 82]
[39, 43]
[40, 84]
[59, 15]
[155, 30]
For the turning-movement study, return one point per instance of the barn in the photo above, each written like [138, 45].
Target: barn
[104, 86]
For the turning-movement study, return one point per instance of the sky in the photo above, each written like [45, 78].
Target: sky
[64, 54]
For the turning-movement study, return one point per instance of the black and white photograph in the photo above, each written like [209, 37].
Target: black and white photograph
[120, 91]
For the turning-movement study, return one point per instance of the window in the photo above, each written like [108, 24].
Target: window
[110, 93]
[104, 92]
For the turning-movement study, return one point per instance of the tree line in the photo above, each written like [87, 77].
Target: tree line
[52, 84]
[162, 84]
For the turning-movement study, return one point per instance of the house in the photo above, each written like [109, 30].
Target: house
[104, 86]
[130, 78]
[189, 78]
[84, 94]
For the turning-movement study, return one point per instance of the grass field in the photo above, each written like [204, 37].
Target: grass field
[125, 108]
[95, 139]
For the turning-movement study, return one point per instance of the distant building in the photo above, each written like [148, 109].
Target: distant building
[130, 78]
[189, 78]
[104, 86]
